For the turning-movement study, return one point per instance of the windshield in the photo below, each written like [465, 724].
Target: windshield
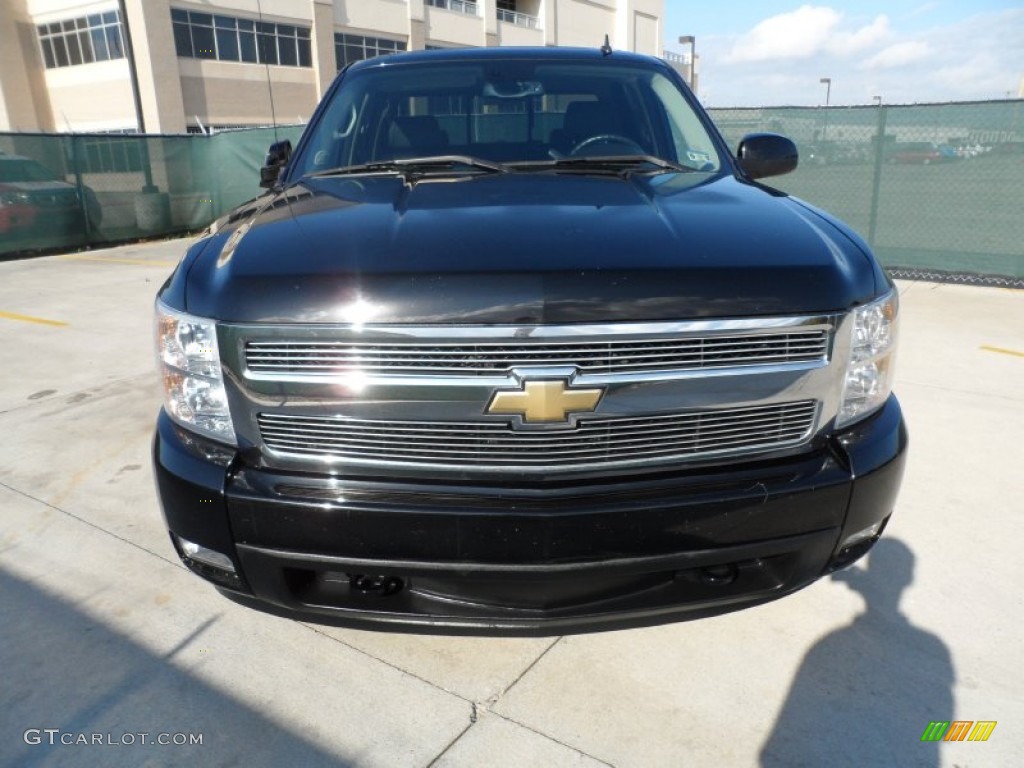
[18, 169]
[509, 112]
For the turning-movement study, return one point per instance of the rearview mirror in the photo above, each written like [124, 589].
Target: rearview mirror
[501, 89]
[277, 158]
[766, 154]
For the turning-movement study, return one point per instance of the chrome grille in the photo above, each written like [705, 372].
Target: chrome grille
[604, 441]
[610, 356]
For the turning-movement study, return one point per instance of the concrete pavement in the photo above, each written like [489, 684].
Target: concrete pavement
[103, 632]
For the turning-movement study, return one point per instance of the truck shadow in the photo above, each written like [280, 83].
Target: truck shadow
[865, 693]
[64, 670]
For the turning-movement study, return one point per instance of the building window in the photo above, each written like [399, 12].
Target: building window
[459, 6]
[209, 130]
[83, 40]
[226, 38]
[515, 12]
[116, 154]
[350, 48]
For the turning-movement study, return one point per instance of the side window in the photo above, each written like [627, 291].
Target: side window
[453, 111]
[693, 146]
[618, 112]
[565, 118]
[501, 121]
[339, 133]
[641, 129]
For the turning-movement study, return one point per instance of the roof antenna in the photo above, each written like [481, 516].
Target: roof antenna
[606, 49]
[270, 88]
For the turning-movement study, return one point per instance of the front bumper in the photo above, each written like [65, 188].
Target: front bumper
[541, 558]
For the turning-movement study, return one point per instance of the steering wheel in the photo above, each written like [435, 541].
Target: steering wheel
[607, 138]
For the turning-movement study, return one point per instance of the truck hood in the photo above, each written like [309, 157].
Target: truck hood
[525, 249]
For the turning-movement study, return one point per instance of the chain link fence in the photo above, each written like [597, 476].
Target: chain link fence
[76, 190]
[937, 189]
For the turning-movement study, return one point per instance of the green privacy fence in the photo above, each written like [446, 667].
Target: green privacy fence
[935, 188]
[941, 191]
[75, 190]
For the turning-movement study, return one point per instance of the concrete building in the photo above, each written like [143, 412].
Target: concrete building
[63, 63]
[681, 63]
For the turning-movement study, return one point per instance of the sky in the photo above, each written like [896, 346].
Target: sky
[772, 52]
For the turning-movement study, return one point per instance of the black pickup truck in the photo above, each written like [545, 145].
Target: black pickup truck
[513, 343]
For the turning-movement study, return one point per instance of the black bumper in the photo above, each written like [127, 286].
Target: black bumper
[539, 558]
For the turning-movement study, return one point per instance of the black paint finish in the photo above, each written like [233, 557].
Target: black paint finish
[541, 246]
[527, 248]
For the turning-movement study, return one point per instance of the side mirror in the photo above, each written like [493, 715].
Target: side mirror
[766, 154]
[277, 158]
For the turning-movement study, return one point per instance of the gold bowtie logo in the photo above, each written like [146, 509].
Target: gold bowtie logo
[545, 401]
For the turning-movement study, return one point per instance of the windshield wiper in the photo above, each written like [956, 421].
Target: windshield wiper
[415, 166]
[618, 164]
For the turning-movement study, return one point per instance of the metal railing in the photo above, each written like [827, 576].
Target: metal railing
[459, 6]
[517, 18]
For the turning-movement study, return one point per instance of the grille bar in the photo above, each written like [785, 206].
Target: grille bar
[357, 435]
[605, 441]
[648, 447]
[600, 357]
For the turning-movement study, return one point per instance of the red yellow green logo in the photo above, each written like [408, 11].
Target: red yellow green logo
[958, 730]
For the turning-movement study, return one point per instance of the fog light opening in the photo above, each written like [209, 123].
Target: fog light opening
[376, 584]
[719, 575]
[857, 544]
[871, 532]
[208, 563]
[205, 555]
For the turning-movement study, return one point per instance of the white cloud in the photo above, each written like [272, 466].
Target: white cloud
[806, 32]
[798, 34]
[923, 10]
[899, 55]
[980, 71]
[903, 65]
[847, 43]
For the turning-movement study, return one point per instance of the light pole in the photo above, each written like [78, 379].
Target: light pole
[828, 97]
[692, 42]
[828, 89]
[133, 77]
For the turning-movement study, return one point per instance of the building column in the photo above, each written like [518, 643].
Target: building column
[549, 20]
[417, 27]
[325, 62]
[622, 37]
[156, 62]
[489, 8]
[24, 99]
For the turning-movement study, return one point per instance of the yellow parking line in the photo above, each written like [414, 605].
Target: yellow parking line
[30, 319]
[1002, 351]
[113, 260]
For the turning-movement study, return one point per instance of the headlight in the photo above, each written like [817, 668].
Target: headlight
[869, 371]
[189, 362]
[15, 198]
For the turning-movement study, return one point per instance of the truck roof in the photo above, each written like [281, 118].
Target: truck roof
[509, 52]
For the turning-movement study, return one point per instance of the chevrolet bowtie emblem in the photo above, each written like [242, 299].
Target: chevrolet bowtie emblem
[545, 401]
